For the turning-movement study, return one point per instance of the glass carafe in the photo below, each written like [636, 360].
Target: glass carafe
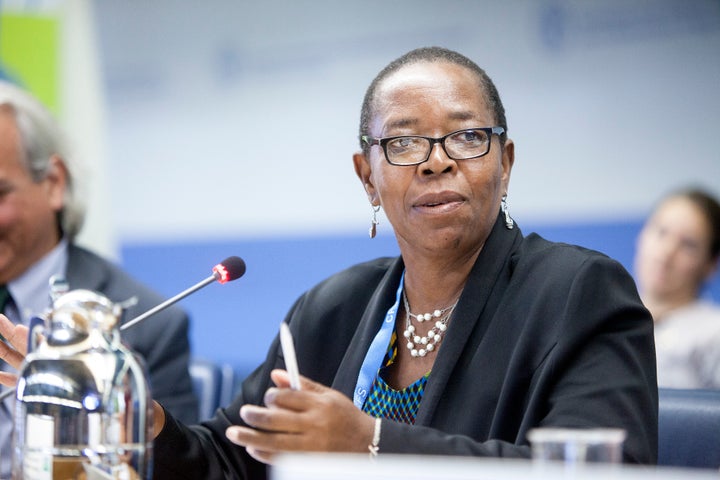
[83, 408]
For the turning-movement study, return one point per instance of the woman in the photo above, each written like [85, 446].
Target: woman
[677, 252]
[520, 332]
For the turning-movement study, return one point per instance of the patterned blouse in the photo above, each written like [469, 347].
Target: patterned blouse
[386, 402]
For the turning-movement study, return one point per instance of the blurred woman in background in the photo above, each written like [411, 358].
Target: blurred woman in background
[677, 253]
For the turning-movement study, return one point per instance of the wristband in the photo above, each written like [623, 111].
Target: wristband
[374, 447]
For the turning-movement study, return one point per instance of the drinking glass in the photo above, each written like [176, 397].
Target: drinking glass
[576, 446]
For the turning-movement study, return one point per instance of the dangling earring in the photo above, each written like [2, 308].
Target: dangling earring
[374, 222]
[509, 222]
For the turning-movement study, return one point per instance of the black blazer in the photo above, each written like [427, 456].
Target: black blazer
[162, 340]
[544, 334]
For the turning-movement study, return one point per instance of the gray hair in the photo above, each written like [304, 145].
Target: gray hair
[40, 138]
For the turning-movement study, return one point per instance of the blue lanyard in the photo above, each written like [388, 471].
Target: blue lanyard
[376, 352]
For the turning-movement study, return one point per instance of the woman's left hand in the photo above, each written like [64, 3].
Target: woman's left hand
[314, 418]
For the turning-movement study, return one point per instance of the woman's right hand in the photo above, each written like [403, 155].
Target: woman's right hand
[158, 419]
[12, 349]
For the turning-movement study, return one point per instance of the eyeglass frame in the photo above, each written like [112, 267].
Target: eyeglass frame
[382, 142]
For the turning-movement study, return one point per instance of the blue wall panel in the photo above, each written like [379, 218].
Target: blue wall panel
[236, 322]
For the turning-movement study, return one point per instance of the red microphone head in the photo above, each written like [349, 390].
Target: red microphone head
[229, 269]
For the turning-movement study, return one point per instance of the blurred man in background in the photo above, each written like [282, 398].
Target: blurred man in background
[41, 212]
[677, 253]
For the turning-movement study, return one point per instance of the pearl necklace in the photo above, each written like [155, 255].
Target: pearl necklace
[429, 342]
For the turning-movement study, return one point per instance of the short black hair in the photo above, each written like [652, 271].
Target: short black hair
[430, 55]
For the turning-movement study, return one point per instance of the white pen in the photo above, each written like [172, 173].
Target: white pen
[288, 349]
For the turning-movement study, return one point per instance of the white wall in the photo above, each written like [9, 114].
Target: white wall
[83, 115]
[230, 118]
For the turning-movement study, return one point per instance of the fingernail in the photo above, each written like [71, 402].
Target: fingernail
[243, 410]
[270, 396]
[232, 434]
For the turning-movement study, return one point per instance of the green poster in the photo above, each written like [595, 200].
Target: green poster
[29, 54]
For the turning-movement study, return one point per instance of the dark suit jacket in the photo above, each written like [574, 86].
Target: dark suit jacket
[162, 339]
[544, 334]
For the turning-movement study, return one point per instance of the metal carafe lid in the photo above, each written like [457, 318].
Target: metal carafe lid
[77, 313]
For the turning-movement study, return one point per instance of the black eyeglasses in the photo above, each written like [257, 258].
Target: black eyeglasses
[414, 149]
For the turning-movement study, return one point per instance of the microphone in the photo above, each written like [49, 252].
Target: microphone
[228, 270]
